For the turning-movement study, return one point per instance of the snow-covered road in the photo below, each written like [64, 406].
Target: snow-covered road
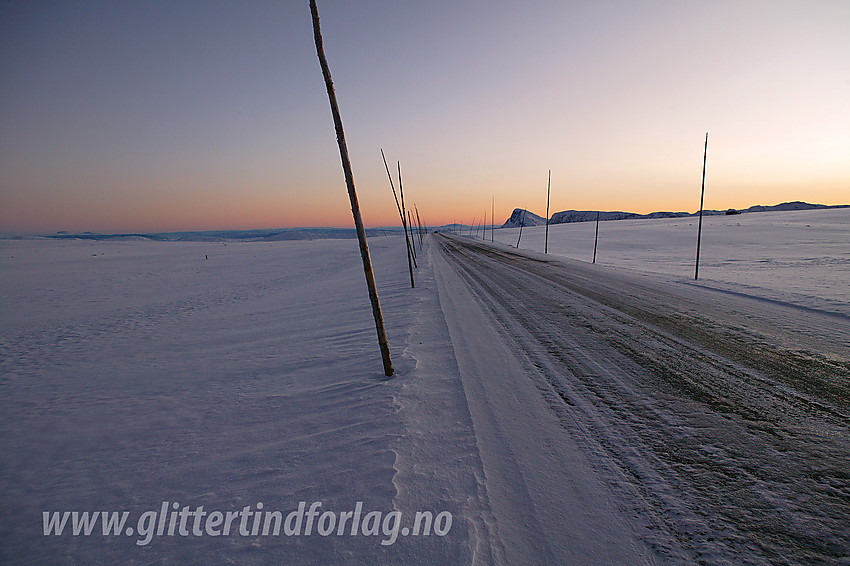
[622, 418]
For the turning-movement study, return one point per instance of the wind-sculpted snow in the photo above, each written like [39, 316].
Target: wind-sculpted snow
[137, 372]
[719, 423]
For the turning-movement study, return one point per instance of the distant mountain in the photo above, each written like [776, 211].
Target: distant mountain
[590, 216]
[795, 205]
[273, 235]
[568, 216]
[522, 217]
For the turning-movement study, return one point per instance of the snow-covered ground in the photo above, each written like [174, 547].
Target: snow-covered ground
[139, 372]
[561, 412]
[801, 257]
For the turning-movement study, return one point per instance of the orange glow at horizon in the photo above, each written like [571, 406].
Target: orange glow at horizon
[202, 129]
[329, 207]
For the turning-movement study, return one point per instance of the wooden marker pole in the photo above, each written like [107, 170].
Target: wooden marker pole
[401, 217]
[419, 223]
[493, 215]
[352, 195]
[521, 224]
[401, 192]
[596, 238]
[546, 241]
[412, 237]
[701, 199]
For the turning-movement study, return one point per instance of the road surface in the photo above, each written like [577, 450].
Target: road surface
[626, 418]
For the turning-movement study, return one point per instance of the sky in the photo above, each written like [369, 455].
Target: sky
[192, 115]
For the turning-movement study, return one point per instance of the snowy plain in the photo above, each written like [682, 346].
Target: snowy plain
[137, 372]
[799, 257]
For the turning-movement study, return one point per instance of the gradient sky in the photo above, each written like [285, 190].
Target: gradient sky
[168, 115]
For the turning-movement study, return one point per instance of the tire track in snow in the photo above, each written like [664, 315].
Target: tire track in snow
[723, 422]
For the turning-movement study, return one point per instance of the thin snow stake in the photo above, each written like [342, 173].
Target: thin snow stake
[493, 216]
[401, 217]
[419, 223]
[403, 211]
[701, 198]
[412, 237]
[546, 241]
[521, 224]
[596, 238]
[352, 195]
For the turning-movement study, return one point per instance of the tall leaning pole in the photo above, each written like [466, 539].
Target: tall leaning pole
[493, 219]
[546, 241]
[701, 199]
[352, 195]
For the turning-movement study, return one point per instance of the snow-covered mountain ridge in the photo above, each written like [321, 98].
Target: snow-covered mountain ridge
[567, 216]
